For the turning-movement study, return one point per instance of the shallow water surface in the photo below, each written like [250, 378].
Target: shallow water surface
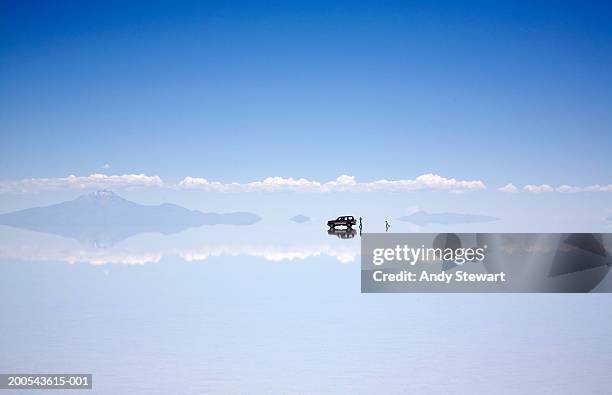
[223, 312]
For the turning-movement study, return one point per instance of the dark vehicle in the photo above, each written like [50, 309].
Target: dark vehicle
[347, 220]
[347, 233]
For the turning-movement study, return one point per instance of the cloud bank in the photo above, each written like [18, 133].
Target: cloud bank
[66, 252]
[344, 183]
[93, 181]
[545, 188]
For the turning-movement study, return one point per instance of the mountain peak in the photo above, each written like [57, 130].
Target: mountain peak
[103, 193]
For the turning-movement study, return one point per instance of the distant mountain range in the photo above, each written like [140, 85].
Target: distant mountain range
[103, 218]
[424, 218]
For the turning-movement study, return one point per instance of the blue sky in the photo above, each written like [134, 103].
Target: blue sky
[232, 91]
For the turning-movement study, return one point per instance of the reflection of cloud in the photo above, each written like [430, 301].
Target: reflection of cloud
[272, 253]
[93, 181]
[78, 255]
[343, 183]
[130, 256]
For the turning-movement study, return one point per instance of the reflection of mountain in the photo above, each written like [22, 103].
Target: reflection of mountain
[424, 218]
[103, 218]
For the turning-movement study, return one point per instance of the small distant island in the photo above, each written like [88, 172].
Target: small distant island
[300, 219]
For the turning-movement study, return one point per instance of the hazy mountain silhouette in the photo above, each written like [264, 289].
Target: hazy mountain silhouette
[300, 219]
[424, 218]
[102, 218]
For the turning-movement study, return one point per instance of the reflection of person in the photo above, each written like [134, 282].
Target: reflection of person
[387, 226]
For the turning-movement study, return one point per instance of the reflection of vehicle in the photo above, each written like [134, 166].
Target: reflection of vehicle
[347, 220]
[346, 233]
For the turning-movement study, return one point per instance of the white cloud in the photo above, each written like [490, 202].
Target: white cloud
[93, 181]
[566, 188]
[538, 188]
[203, 184]
[343, 183]
[425, 182]
[269, 184]
[278, 184]
[106, 166]
[509, 188]
[590, 188]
